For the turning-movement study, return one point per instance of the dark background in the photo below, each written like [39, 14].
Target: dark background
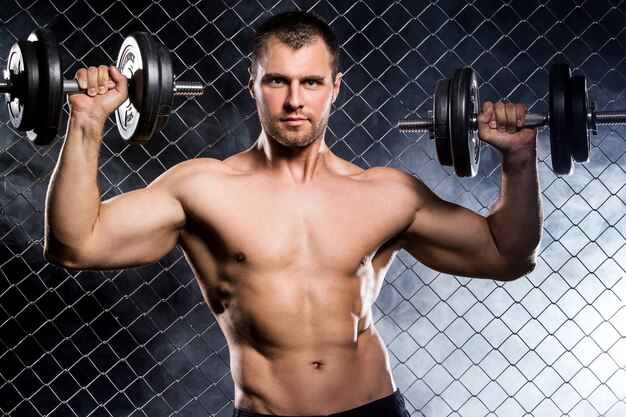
[141, 341]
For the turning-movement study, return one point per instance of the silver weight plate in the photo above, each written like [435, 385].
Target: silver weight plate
[50, 99]
[128, 62]
[23, 69]
[138, 60]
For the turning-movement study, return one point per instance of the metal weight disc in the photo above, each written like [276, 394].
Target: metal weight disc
[23, 70]
[560, 145]
[579, 131]
[440, 118]
[50, 99]
[463, 109]
[138, 60]
[167, 87]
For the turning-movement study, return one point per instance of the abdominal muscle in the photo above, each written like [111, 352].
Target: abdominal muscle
[303, 345]
[291, 273]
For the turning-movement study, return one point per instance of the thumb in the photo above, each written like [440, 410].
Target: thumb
[486, 111]
[486, 116]
[120, 80]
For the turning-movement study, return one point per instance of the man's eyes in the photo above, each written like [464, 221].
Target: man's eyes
[307, 83]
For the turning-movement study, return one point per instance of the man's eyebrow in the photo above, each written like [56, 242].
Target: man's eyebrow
[269, 75]
[319, 78]
[272, 75]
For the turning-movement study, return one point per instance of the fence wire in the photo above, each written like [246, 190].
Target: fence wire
[141, 342]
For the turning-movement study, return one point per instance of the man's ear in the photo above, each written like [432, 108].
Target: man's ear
[251, 82]
[337, 85]
[251, 87]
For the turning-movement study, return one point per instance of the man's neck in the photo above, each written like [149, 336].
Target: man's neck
[297, 164]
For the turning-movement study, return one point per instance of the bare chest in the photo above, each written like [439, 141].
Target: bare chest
[336, 225]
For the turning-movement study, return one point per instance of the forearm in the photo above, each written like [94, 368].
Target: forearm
[516, 219]
[73, 199]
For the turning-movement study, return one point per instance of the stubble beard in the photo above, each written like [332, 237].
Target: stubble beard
[293, 137]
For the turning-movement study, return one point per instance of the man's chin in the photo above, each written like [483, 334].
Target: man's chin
[294, 142]
[293, 136]
[296, 138]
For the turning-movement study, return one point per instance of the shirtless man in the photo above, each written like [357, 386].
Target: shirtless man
[289, 243]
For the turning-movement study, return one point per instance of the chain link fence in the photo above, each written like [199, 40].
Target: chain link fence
[141, 342]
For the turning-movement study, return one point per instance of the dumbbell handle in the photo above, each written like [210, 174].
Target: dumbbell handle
[181, 88]
[616, 117]
[423, 125]
[533, 120]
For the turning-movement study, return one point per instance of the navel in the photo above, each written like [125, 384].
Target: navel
[240, 257]
[317, 365]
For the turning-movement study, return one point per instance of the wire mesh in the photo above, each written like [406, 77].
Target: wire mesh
[141, 342]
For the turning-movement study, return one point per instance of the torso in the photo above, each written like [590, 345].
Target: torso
[290, 272]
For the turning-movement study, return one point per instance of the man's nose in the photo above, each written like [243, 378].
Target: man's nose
[294, 98]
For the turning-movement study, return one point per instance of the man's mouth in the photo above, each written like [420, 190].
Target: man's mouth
[294, 121]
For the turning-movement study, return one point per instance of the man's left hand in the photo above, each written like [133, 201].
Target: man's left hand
[500, 125]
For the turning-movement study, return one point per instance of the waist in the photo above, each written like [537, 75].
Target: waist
[390, 406]
[311, 381]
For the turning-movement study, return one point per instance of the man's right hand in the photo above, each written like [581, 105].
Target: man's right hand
[85, 233]
[107, 89]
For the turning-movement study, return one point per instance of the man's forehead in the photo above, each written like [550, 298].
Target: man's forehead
[276, 52]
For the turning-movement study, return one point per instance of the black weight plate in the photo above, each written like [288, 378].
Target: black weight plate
[440, 119]
[463, 108]
[167, 87]
[50, 101]
[560, 145]
[579, 131]
[138, 60]
[23, 68]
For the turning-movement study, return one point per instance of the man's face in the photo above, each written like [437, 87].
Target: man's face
[294, 90]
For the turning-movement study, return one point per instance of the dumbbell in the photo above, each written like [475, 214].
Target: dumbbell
[456, 106]
[34, 87]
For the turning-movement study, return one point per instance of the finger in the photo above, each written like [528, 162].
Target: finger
[81, 78]
[511, 117]
[493, 124]
[500, 117]
[521, 115]
[92, 81]
[103, 79]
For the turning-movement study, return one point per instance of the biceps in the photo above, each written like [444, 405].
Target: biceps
[133, 229]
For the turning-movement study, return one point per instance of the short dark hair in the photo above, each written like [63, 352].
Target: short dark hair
[296, 29]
